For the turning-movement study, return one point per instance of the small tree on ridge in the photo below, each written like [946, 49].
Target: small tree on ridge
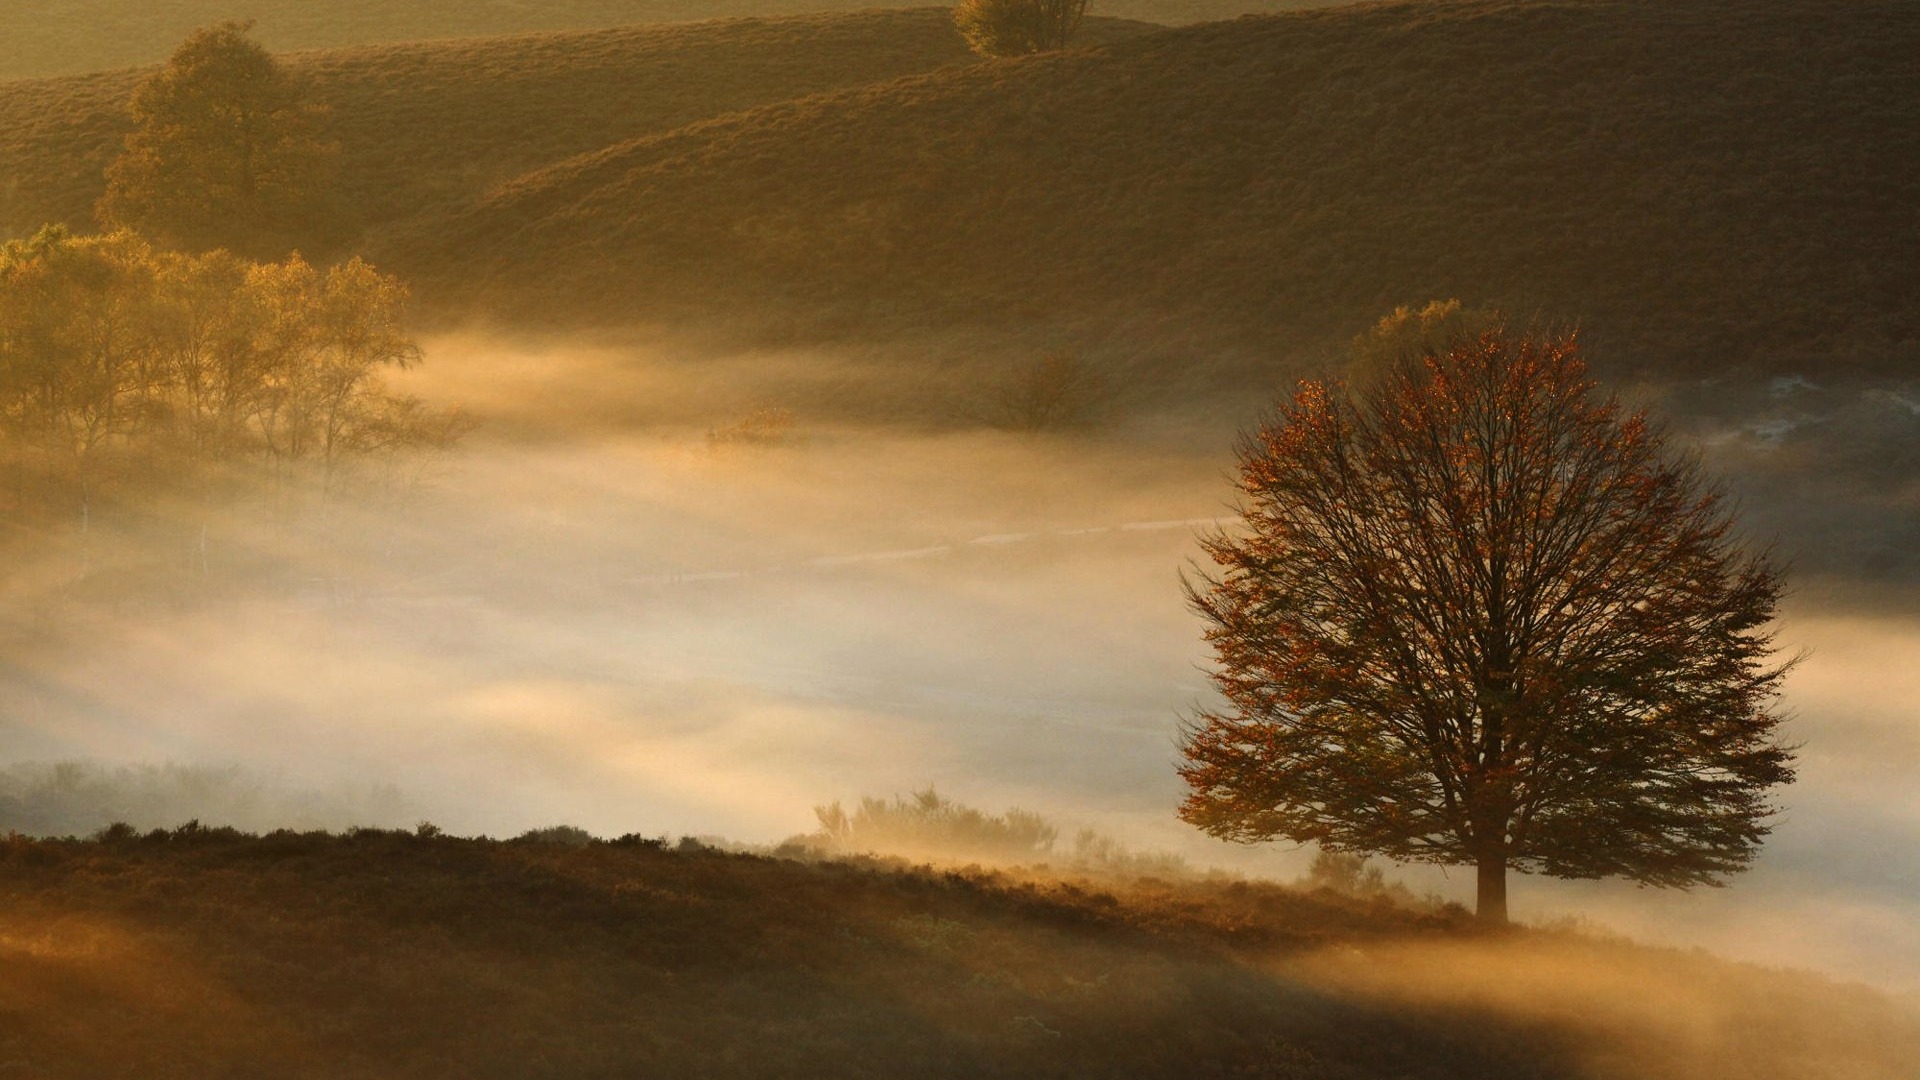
[1018, 27]
[1481, 616]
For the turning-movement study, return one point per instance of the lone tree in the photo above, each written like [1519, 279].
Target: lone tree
[225, 152]
[1480, 615]
[1018, 27]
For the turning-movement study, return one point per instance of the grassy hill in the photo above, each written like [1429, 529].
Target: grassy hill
[1700, 182]
[427, 127]
[60, 37]
[202, 953]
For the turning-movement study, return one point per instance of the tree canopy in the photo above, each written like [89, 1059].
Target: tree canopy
[1018, 27]
[1479, 614]
[119, 362]
[225, 152]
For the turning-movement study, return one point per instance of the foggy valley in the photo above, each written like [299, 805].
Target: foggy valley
[766, 449]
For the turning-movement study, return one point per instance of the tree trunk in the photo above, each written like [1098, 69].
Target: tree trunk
[1492, 906]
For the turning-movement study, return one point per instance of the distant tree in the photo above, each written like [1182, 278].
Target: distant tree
[1413, 332]
[225, 152]
[931, 826]
[1479, 615]
[764, 426]
[1059, 390]
[1018, 27]
[1345, 872]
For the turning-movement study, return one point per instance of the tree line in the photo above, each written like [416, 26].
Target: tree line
[122, 363]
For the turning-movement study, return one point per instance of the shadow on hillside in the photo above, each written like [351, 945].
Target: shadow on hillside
[204, 952]
[400, 956]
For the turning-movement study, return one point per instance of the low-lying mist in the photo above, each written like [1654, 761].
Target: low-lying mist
[1632, 1014]
[677, 595]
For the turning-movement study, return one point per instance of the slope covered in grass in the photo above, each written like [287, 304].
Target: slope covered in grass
[200, 953]
[73, 36]
[425, 127]
[1700, 182]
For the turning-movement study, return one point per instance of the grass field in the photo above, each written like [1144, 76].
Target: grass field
[1702, 185]
[426, 128]
[198, 953]
[61, 37]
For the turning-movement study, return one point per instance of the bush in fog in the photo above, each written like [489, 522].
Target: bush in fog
[563, 835]
[1057, 391]
[930, 826]
[927, 825]
[1344, 872]
[1096, 852]
[126, 368]
[1018, 27]
[761, 427]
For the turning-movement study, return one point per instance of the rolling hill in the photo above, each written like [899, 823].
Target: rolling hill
[198, 952]
[63, 37]
[427, 127]
[1703, 186]
[1701, 183]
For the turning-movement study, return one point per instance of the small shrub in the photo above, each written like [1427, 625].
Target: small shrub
[1348, 874]
[761, 427]
[563, 835]
[1018, 27]
[1096, 852]
[1057, 391]
[117, 833]
[930, 826]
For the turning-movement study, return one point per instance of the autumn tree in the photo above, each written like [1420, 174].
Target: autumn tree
[1478, 614]
[118, 361]
[225, 152]
[74, 361]
[1018, 27]
[1059, 390]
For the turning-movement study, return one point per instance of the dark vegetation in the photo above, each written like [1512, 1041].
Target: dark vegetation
[202, 952]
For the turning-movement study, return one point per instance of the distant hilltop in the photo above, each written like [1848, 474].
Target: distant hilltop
[1701, 184]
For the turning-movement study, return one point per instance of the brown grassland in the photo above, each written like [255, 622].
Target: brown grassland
[205, 953]
[58, 37]
[428, 127]
[1701, 184]
[1158, 218]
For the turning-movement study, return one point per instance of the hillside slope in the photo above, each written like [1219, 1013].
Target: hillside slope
[199, 953]
[76, 36]
[1700, 182]
[426, 127]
